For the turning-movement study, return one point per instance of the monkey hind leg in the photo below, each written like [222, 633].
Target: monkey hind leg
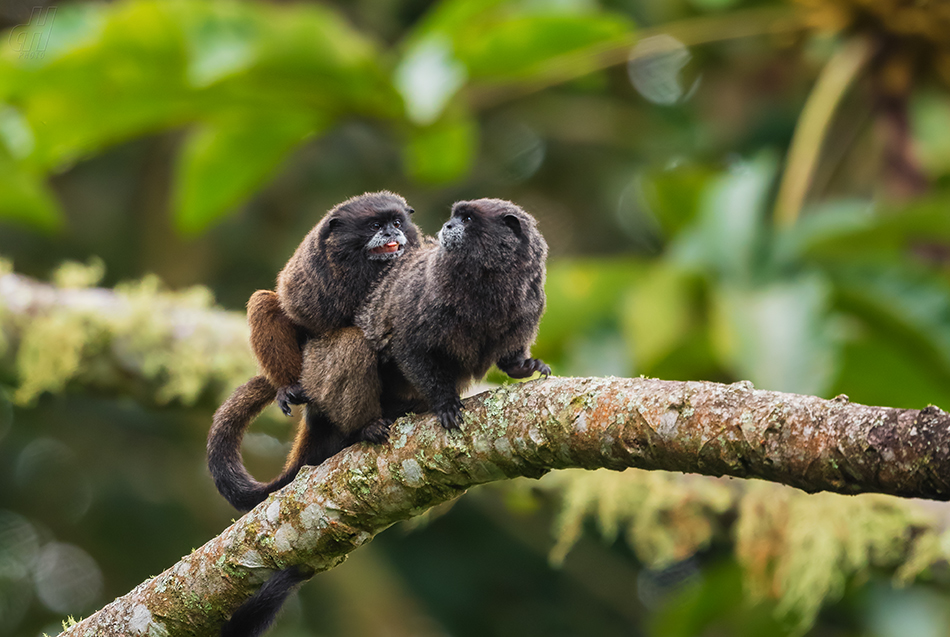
[341, 376]
[317, 439]
[275, 339]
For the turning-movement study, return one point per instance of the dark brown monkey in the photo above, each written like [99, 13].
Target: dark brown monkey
[319, 290]
[444, 315]
[439, 319]
[326, 281]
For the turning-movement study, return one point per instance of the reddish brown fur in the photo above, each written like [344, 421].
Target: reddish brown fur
[320, 289]
[274, 339]
[340, 378]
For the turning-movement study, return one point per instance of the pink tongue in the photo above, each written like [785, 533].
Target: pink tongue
[389, 247]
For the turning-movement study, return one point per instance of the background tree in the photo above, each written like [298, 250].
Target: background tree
[731, 190]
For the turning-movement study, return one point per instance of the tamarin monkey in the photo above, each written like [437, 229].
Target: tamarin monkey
[326, 281]
[319, 290]
[442, 316]
[439, 319]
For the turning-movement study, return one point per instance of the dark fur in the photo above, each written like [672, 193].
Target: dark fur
[325, 282]
[329, 276]
[438, 320]
[319, 290]
[445, 314]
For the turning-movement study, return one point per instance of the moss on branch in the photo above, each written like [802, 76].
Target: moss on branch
[527, 430]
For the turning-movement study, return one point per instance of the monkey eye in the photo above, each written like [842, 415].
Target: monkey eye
[397, 223]
[466, 218]
[377, 225]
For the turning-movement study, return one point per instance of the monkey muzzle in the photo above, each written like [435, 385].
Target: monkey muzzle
[386, 249]
[389, 248]
[450, 236]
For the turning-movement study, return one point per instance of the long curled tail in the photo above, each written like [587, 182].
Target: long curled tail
[259, 612]
[224, 445]
[317, 439]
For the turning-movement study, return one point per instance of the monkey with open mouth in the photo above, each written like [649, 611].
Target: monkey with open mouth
[320, 290]
[438, 320]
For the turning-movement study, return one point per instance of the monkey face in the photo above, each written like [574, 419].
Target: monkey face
[389, 240]
[372, 226]
[499, 232]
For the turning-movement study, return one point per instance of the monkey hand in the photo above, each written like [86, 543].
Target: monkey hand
[377, 431]
[450, 413]
[525, 368]
[291, 395]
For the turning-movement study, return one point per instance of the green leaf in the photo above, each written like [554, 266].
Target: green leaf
[659, 314]
[526, 47]
[849, 231]
[729, 235]
[145, 65]
[930, 112]
[825, 229]
[878, 369]
[221, 42]
[25, 197]
[444, 151]
[780, 336]
[583, 296]
[909, 306]
[427, 78]
[500, 41]
[128, 79]
[674, 195]
[714, 604]
[222, 163]
[15, 132]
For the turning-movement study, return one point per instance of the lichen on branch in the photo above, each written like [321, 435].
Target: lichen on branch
[527, 430]
[140, 338]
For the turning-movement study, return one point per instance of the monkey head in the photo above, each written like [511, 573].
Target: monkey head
[389, 241]
[342, 257]
[496, 232]
[373, 226]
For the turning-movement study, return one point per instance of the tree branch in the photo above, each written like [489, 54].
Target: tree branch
[138, 339]
[527, 430]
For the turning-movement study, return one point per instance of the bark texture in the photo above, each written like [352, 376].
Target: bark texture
[527, 430]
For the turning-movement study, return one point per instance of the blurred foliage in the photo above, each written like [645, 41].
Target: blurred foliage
[105, 340]
[800, 549]
[732, 189]
[256, 81]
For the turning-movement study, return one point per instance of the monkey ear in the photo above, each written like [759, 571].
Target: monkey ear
[333, 222]
[513, 222]
[412, 211]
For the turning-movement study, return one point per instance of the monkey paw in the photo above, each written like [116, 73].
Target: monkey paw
[450, 413]
[291, 395]
[526, 368]
[377, 432]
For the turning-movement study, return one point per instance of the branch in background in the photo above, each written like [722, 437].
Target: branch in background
[138, 339]
[756, 22]
[836, 78]
[527, 430]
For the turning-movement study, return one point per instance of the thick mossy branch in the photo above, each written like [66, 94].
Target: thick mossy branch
[527, 430]
[138, 339]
